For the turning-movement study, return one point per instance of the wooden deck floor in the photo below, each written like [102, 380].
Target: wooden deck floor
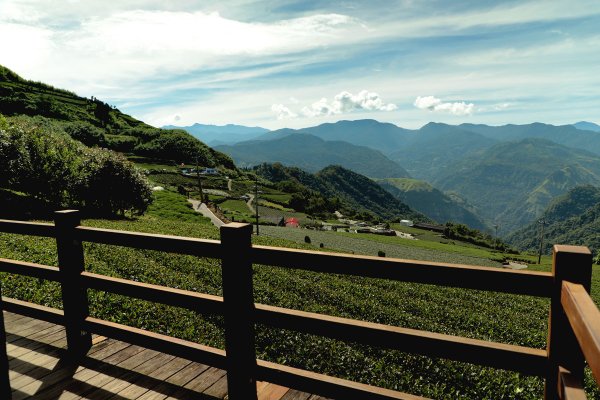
[111, 370]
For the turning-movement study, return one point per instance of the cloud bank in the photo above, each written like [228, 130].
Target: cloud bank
[434, 104]
[343, 103]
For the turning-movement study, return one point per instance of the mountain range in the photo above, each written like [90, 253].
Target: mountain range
[312, 153]
[509, 174]
[214, 135]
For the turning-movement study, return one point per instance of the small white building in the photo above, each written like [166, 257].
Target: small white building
[406, 222]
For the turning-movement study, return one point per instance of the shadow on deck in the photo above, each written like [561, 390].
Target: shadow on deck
[38, 368]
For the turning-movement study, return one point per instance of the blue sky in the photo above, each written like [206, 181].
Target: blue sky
[301, 63]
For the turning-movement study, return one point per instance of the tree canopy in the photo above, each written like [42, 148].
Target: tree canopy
[38, 158]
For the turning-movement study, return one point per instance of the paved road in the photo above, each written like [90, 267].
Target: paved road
[202, 209]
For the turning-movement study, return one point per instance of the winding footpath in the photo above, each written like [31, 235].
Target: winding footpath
[202, 209]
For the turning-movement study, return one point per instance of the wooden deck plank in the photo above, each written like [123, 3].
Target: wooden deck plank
[158, 386]
[293, 394]
[132, 384]
[112, 369]
[10, 317]
[12, 338]
[48, 372]
[270, 391]
[86, 375]
[45, 342]
[26, 328]
[217, 389]
[170, 385]
[198, 384]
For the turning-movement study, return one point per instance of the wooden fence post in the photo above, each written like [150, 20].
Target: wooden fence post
[5, 391]
[573, 264]
[239, 305]
[74, 295]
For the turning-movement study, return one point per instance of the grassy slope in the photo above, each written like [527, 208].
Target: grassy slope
[21, 96]
[505, 318]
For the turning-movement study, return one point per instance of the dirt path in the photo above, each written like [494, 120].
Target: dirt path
[202, 209]
[249, 202]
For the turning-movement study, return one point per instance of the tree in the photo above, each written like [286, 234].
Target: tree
[123, 186]
[40, 159]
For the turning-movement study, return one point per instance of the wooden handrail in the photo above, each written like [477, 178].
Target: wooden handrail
[531, 283]
[584, 318]
[30, 269]
[237, 251]
[526, 360]
[200, 302]
[27, 228]
[151, 241]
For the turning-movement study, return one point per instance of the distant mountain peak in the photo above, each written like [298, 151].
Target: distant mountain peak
[587, 126]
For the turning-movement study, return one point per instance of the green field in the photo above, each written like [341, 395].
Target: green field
[277, 197]
[368, 244]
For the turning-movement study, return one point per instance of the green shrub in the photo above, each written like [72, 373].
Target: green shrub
[39, 159]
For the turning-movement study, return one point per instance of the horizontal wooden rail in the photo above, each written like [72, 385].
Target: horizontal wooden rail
[203, 303]
[498, 355]
[29, 269]
[27, 228]
[32, 310]
[149, 241]
[324, 385]
[443, 274]
[155, 341]
[584, 318]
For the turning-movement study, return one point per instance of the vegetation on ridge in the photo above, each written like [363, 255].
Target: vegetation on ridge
[39, 159]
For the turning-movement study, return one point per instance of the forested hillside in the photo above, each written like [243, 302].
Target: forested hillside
[513, 182]
[355, 194]
[96, 123]
[423, 197]
[572, 218]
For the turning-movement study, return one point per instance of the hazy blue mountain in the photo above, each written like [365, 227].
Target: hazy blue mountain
[423, 197]
[433, 148]
[312, 154]
[587, 126]
[227, 134]
[512, 183]
[367, 132]
[423, 153]
[572, 218]
[567, 135]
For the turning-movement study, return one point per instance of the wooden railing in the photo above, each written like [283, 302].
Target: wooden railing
[574, 332]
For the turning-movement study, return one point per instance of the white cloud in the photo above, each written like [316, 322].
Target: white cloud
[126, 48]
[434, 104]
[283, 112]
[345, 102]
